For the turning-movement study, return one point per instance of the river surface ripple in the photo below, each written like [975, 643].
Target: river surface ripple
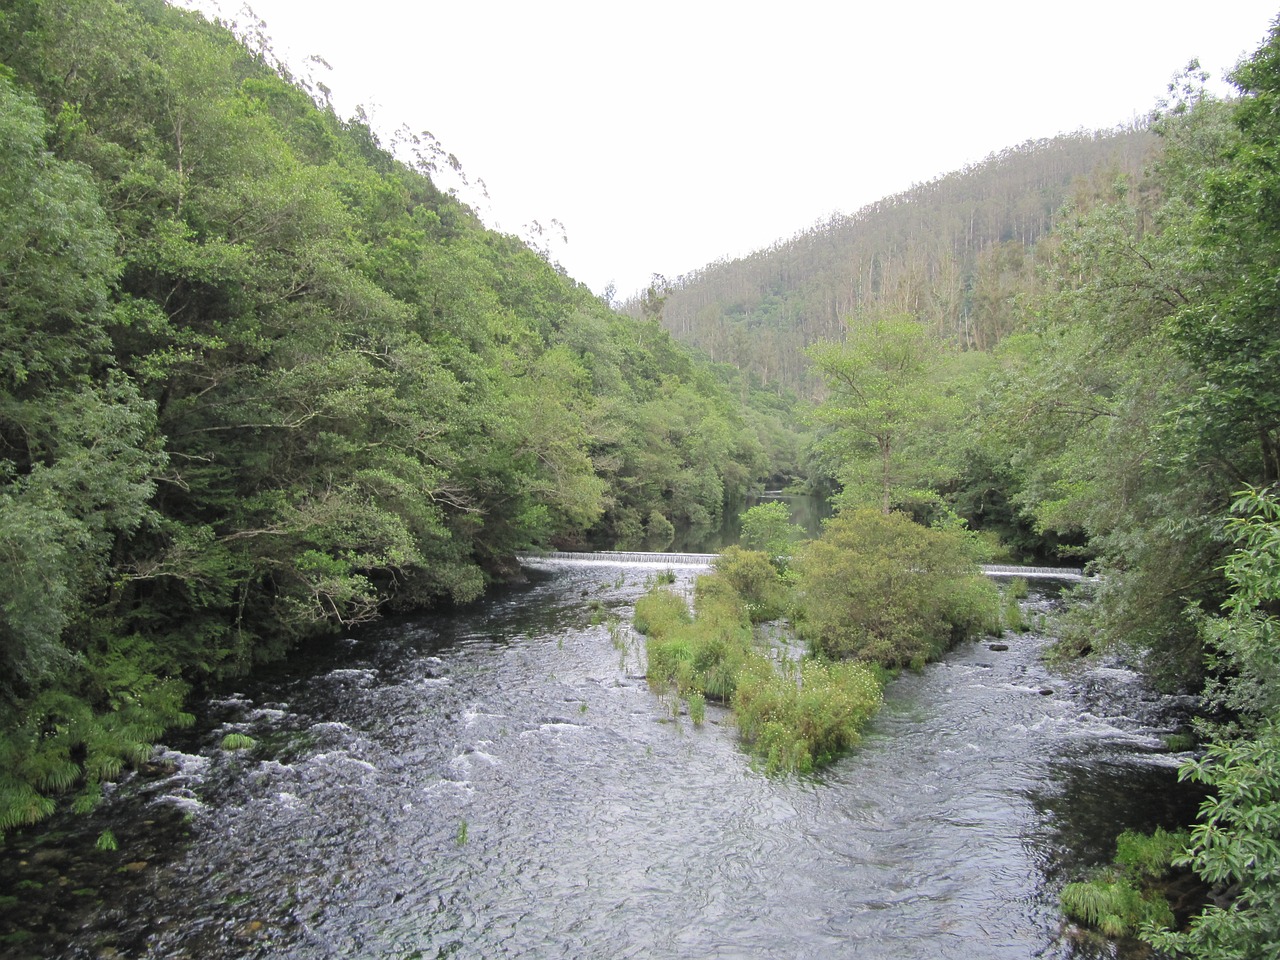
[502, 783]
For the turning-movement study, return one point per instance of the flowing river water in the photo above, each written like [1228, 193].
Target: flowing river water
[501, 782]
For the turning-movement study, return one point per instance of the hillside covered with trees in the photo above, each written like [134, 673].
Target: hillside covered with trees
[260, 378]
[951, 252]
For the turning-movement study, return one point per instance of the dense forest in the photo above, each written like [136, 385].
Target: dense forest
[951, 252]
[261, 378]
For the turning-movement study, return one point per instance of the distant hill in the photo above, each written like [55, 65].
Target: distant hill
[952, 252]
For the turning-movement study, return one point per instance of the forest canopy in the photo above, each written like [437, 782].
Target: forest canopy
[260, 378]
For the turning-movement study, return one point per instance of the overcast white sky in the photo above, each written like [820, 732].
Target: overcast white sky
[665, 135]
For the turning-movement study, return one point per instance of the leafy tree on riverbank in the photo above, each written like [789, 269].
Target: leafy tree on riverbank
[884, 404]
[1235, 846]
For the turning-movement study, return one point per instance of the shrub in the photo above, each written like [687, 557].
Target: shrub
[800, 725]
[695, 656]
[791, 721]
[697, 709]
[1126, 897]
[659, 612]
[754, 579]
[880, 587]
[1149, 856]
[1013, 618]
[1115, 906]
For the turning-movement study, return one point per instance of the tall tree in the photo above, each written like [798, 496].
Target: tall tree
[882, 387]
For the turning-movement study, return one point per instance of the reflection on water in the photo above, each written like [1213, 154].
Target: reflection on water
[502, 783]
[807, 512]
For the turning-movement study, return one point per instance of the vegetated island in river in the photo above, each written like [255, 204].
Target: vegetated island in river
[877, 591]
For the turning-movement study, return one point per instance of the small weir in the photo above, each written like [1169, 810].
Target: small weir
[704, 560]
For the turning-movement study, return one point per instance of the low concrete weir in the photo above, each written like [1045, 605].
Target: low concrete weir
[705, 560]
[1043, 573]
[629, 559]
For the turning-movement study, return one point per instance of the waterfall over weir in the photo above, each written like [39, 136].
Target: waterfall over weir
[705, 560]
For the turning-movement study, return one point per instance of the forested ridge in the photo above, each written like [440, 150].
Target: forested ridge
[951, 252]
[260, 378]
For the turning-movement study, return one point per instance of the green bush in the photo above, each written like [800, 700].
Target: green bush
[1013, 618]
[800, 723]
[882, 588]
[694, 655]
[1126, 897]
[659, 612]
[793, 720]
[754, 579]
[1150, 856]
[697, 709]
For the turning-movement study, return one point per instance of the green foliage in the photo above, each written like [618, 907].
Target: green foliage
[699, 654]
[259, 378]
[1086, 424]
[1149, 856]
[884, 404]
[659, 613]
[1115, 907]
[754, 578]
[1243, 645]
[881, 588]
[794, 719]
[697, 708]
[767, 527]
[799, 723]
[1013, 618]
[658, 531]
[1235, 846]
[238, 741]
[107, 841]
[1127, 899]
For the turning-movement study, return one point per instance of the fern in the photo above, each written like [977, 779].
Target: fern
[21, 805]
[1114, 906]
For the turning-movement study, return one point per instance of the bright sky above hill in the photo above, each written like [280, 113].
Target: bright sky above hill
[665, 135]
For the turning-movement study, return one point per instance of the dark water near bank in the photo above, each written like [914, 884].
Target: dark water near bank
[500, 783]
[807, 513]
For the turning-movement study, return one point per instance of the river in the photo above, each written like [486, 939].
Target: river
[501, 782]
